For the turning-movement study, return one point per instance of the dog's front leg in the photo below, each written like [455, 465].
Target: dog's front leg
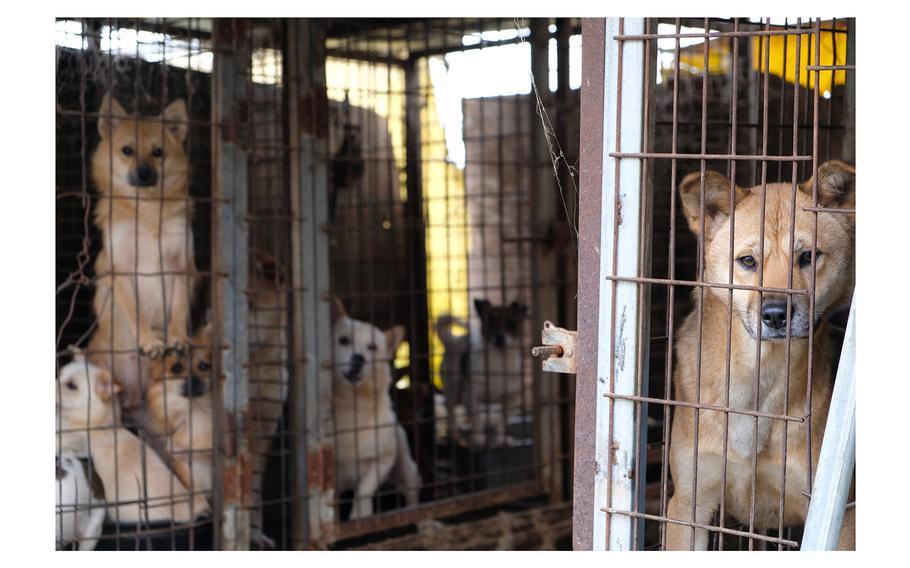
[127, 305]
[363, 496]
[405, 472]
[179, 313]
[92, 530]
[679, 537]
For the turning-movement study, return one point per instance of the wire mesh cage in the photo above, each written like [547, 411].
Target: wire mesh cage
[745, 186]
[300, 264]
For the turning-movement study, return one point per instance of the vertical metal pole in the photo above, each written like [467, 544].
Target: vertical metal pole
[838, 454]
[848, 151]
[563, 204]
[418, 328]
[229, 280]
[619, 309]
[589, 206]
[543, 262]
[310, 402]
[644, 322]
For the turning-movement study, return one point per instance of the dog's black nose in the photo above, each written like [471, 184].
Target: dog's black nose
[499, 340]
[193, 387]
[774, 314]
[143, 176]
[357, 360]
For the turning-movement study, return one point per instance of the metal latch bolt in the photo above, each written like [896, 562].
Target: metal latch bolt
[558, 349]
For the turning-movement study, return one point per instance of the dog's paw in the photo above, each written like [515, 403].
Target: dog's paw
[153, 348]
[259, 540]
[429, 526]
[178, 343]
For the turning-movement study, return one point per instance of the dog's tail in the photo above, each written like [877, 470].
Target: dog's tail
[444, 325]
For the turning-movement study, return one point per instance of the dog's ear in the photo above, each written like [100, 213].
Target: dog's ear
[836, 185]
[393, 338]
[518, 309]
[717, 200]
[337, 309]
[105, 384]
[482, 306]
[176, 116]
[110, 114]
[203, 336]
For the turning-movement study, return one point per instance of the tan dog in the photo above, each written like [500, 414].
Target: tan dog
[179, 412]
[268, 369]
[138, 486]
[755, 317]
[145, 270]
[370, 444]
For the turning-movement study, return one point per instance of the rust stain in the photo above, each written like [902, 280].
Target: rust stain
[320, 469]
[238, 481]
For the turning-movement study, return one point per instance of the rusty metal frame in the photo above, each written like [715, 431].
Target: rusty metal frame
[590, 196]
[314, 514]
[229, 253]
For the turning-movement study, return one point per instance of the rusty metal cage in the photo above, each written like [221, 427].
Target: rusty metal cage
[306, 181]
[766, 104]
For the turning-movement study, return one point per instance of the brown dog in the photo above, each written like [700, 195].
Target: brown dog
[178, 410]
[145, 270]
[758, 317]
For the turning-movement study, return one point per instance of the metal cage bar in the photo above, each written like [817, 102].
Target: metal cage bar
[620, 240]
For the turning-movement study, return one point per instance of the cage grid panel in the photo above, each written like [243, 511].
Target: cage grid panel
[319, 171]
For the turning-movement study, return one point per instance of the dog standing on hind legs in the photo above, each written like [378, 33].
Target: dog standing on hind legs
[145, 270]
[765, 317]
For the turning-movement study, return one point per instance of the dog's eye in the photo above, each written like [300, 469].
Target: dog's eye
[203, 366]
[177, 368]
[372, 347]
[157, 152]
[747, 261]
[127, 150]
[805, 259]
[343, 340]
[71, 385]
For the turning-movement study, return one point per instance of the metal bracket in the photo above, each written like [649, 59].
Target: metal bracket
[558, 349]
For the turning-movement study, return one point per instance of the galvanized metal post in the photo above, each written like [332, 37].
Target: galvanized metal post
[310, 402]
[619, 307]
[838, 454]
[230, 243]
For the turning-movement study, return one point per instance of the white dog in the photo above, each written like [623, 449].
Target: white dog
[86, 411]
[370, 445]
[80, 503]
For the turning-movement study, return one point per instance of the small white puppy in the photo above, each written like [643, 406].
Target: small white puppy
[86, 402]
[370, 445]
[80, 503]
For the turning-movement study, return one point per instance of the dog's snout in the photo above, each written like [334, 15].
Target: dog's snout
[774, 314]
[356, 365]
[143, 176]
[193, 387]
